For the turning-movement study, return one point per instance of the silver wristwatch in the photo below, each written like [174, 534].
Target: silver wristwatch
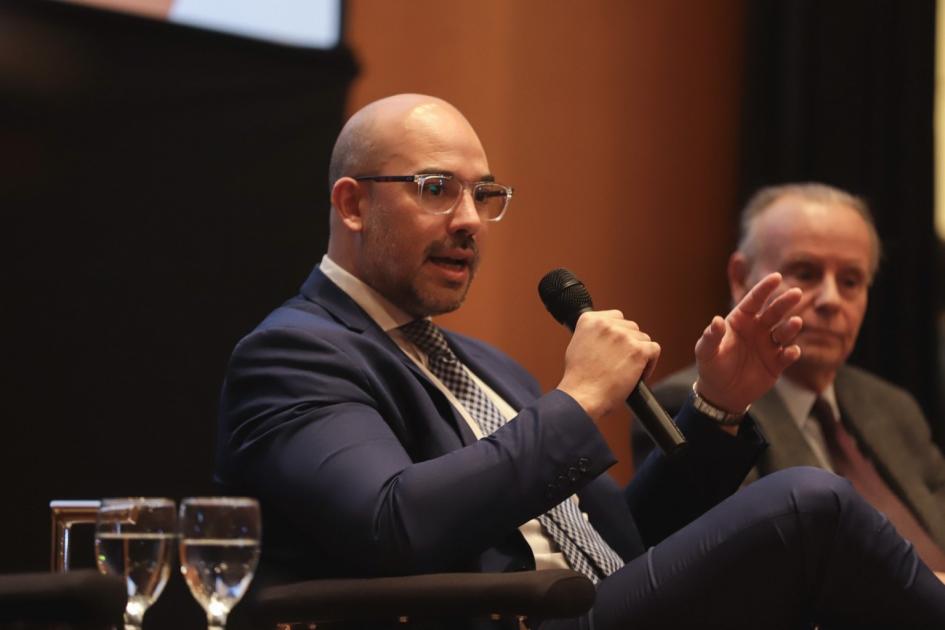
[719, 415]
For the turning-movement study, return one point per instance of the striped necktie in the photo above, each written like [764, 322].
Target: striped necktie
[580, 543]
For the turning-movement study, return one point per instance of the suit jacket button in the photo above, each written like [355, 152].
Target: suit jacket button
[584, 464]
[573, 474]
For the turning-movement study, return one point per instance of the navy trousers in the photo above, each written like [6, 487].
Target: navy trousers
[797, 548]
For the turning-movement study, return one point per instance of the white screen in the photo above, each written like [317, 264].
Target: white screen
[311, 23]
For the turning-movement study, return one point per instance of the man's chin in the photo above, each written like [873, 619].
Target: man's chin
[428, 303]
[819, 359]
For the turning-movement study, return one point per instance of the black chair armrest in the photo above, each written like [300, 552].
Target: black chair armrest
[536, 594]
[84, 599]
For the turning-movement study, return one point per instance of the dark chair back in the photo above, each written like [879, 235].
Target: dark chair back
[84, 600]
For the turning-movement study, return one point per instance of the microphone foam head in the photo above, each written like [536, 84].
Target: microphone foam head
[564, 296]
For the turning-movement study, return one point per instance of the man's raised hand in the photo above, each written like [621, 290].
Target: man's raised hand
[741, 356]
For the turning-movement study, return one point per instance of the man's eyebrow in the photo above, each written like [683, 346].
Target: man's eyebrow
[801, 260]
[434, 171]
[488, 177]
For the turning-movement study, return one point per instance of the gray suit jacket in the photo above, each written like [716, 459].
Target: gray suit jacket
[886, 420]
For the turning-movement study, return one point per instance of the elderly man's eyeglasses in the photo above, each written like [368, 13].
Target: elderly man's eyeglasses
[440, 194]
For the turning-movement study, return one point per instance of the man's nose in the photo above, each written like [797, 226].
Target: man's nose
[828, 293]
[465, 217]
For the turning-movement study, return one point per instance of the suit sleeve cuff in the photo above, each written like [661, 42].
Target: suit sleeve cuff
[702, 432]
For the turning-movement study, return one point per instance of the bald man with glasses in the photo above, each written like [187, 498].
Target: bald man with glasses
[380, 444]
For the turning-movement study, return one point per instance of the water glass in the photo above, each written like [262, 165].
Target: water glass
[219, 550]
[134, 539]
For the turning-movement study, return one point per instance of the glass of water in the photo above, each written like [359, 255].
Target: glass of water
[219, 549]
[134, 539]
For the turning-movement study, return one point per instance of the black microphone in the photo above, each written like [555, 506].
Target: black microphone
[566, 298]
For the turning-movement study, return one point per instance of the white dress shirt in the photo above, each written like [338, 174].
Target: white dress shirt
[800, 402]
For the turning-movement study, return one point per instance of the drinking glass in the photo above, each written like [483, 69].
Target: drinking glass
[219, 549]
[134, 539]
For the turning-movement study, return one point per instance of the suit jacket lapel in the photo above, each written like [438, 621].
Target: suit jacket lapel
[874, 439]
[788, 445]
[860, 414]
[322, 291]
[319, 289]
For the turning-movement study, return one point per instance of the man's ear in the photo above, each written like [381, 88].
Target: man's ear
[346, 196]
[738, 269]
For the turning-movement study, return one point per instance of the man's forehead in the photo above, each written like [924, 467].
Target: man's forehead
[441, 146]
[793, 229]
[842, 259]
[456, 164]
[790, 219]
[799, 242]
[429, 114]
[418, 118]
[796, 209]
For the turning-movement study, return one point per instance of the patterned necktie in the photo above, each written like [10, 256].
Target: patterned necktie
[849, 461]
[580, 543]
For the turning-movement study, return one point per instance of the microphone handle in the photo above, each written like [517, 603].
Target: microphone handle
[656, 422]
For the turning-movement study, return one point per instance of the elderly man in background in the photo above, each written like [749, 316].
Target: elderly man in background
[823, 412]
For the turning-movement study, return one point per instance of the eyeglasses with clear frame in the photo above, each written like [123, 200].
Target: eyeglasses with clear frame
[439, 193]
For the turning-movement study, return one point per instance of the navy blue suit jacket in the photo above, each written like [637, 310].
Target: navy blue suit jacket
[364, 468]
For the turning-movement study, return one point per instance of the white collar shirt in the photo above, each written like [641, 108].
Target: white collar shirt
[800, 402]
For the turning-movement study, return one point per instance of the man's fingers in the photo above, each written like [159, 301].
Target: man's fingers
[755, 300]
[608, 314]
[784, 333]
[610, 327]
[651, 364]
[708, 344]
[780, 307]
[788, 355]
[611, 316]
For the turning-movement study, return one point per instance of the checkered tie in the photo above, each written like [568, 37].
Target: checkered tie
[580, 543]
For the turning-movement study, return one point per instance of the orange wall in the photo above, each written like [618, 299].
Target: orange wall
[150, 8]
[616, 121]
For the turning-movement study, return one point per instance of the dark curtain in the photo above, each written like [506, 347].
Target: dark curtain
[162, 189]
[842, 92]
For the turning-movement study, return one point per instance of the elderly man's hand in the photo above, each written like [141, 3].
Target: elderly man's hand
[740, 357]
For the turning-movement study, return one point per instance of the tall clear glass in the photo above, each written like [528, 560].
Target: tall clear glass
[219, 550]
[134, 539]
